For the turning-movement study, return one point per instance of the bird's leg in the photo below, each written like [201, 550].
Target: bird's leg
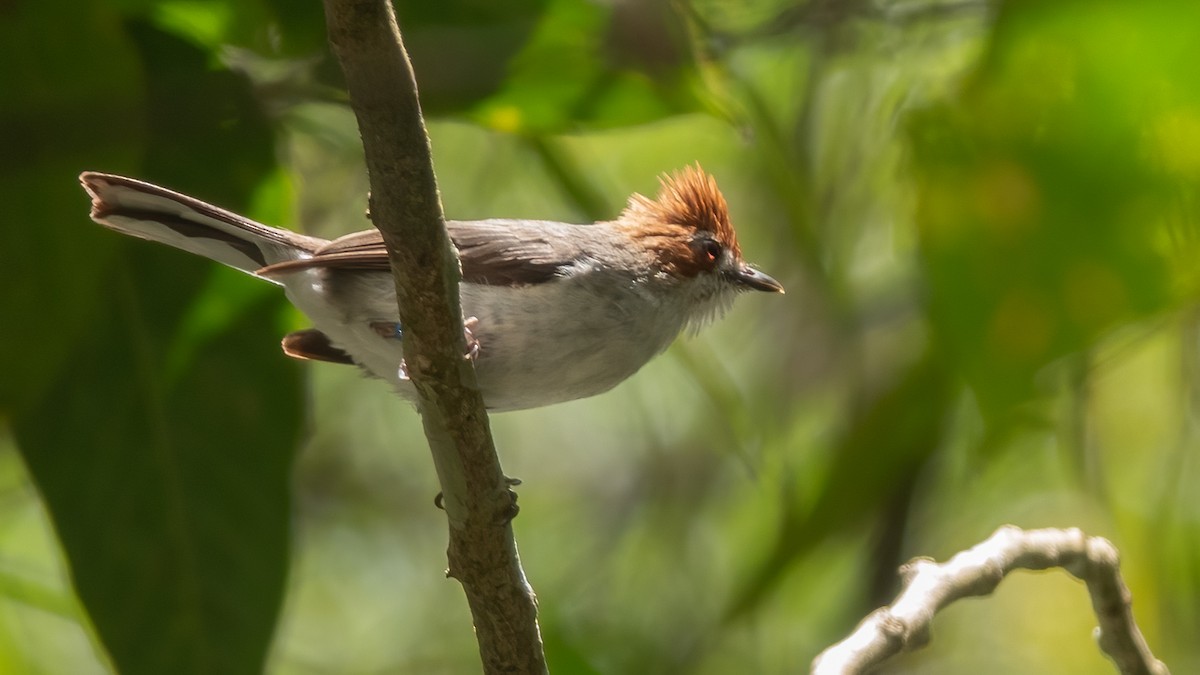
[391, 330]
[387, 329]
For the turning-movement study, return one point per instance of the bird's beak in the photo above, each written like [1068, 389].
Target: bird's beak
[752, 278]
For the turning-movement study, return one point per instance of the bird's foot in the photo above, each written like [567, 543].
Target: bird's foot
[510, 511]
[513, 508]
[391, 330]
[469, 335]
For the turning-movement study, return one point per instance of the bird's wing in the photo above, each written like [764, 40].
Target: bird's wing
[493, 252]
[516, 252]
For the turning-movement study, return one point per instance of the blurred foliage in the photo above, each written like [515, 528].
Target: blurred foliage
[1048, 187]
[985, 215]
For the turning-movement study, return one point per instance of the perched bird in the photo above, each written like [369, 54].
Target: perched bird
[555, 311]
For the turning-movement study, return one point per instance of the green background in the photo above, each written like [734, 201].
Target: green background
[985, 213]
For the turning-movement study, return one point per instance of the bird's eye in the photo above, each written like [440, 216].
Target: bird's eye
[711, 249]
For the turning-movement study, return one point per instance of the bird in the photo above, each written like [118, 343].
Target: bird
[553, 311]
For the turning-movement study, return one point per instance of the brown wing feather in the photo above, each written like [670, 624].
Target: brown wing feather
[494, 252]
[516, 253]
[369, 241]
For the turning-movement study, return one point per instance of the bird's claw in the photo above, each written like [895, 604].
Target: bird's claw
[469, 335]
[510, 511]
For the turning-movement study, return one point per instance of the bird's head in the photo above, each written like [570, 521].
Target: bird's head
[687, 232]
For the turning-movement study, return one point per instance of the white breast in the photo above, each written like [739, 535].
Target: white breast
[539, 344]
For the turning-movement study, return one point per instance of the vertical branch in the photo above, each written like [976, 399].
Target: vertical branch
[406, 208]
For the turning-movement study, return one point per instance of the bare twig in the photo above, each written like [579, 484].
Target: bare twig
[405, 206]
[929, 586]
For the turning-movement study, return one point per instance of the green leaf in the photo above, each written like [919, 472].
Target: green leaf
[171, 502]
[55, 117]
[588, 64]
[213, 25]
[206, 130]
[167, 486]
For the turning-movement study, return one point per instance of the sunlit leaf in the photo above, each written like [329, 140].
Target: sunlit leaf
[588, 64]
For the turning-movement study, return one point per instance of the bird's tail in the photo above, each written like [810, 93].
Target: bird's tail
[158, 214]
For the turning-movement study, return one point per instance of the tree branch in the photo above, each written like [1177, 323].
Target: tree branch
[929, 586]
[406, 208]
